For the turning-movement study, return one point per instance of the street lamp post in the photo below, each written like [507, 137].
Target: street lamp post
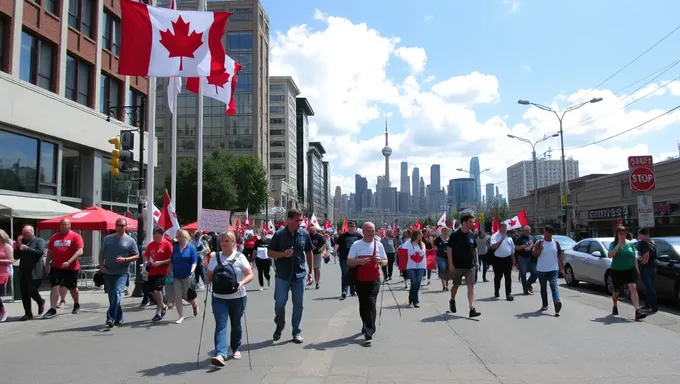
[138, 113]
[565, 197]
[535, 163]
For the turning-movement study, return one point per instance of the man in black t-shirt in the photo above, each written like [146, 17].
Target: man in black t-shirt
[342, 246]
[463, 261]
[319, 247]
[646, 247]
[524, 247]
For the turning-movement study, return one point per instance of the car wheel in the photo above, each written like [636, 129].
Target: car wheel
[569, 276]
[677, 295]
[609, 283]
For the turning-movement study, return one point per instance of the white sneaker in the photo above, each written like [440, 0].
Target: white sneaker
[179, 321]
[261, 289]
[3, 315]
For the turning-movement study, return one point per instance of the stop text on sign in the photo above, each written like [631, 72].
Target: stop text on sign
[641, 173]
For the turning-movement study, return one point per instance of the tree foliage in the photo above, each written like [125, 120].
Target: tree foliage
[229, 183]
[498, 208]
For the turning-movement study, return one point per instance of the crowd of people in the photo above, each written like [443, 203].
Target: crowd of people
[174, 269]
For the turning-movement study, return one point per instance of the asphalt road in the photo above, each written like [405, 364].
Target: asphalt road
[510, 343]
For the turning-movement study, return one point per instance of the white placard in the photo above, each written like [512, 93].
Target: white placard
[645, 211]
[214, 220]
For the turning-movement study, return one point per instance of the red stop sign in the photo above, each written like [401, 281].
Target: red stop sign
[642, 179]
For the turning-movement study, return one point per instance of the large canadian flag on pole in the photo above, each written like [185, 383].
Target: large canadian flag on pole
[442, 221]
[221, 86]
[165, 42]
[168, 218]
[518, 221]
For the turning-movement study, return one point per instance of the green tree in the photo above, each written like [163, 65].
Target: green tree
[496, 208]
[250, 178]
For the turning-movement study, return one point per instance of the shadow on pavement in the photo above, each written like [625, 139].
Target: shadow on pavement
[529, 315]
[489, 299]
[173, 369]
[610, 319]
[445, 317]
[343, 342]
[104, 329]
[327, 298]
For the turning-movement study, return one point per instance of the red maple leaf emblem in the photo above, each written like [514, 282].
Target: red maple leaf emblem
[219, 80]
[181, 43]
[512, 222]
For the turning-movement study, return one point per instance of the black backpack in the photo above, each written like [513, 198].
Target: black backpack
[225, 281]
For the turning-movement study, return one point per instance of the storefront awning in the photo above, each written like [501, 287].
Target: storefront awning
[32, 208]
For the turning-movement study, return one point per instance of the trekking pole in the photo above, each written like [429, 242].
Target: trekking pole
[382, 294]
[395, 299]
[245, 322]
[200, 338]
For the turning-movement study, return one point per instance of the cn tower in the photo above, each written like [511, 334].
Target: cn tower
[387, 152]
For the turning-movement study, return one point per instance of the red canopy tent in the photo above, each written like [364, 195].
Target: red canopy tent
[89, 219]
[194, 227]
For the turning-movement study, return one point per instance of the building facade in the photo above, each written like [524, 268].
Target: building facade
[520, 176]
[475, 174]
[490, 195]
[360, 188]
[405, 181]
[317, 197]
[247, 132]
[415, 184]
[58, 78]
[435, 178]
[599, 202]
[463, 192]
[330, 206]
[283, 160]
[303, 111]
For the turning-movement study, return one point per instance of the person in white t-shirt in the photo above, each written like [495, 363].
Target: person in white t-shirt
[550, 263]
[504, 259]
[416, 265]
[367, 256]
[229, 307]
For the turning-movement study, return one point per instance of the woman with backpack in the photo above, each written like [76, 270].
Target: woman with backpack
[228, 271]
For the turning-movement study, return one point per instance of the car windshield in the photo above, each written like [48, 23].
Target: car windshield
[606, 244]
[565, 241]
[675, 242]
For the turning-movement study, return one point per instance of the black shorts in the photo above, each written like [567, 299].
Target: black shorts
[64, 278]
[156, 283]
[248, 253]
[623, 278]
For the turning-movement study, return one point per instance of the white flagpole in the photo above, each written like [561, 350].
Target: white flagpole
[151, 157]
[173, 157]
[199, 124]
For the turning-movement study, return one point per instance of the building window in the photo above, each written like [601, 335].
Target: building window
[80, 16]
[275, 132]
[111, 35]
[51, 6]
[277, 166]
[241, 14]
[276, 120]
[276, 87]
[240, 41]
[3, 44]
[277, 98]
[135, 100]
[109, 90]
[27, 164]
[245, 82]
[36, 62]
[275, 109]
[70, 172]
[78, 80]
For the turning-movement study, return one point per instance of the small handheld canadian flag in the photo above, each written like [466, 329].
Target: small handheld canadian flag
[442, 221]
[168, 218]
[518, 221]
[315, 222]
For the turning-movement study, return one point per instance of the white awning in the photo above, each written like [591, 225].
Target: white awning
[32, 208]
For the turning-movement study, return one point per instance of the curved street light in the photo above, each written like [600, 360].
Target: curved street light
[565, 189]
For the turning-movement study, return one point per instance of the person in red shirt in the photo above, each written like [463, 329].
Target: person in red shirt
[63, 251]
[367, 256]
[158, 255]
[249, 247]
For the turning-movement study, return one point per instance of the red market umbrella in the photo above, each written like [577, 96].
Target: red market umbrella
[89, 219]
[194, 227]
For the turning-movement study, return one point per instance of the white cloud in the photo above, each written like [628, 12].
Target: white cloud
[526, 68]
[430, 79]
[475, 88]
[428, 17]
[415, 57]
[318, 15]
[514, 5]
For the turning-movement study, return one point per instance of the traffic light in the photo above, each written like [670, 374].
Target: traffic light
[121, 156]
[481, 216]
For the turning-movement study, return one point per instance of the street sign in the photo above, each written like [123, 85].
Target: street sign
[641, 173]
[645, 211]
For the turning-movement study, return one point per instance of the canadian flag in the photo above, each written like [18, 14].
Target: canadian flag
[174, 83]
[344, 226]
[156, 215]
[220, 86]
[166, 42]
[246, 221]
[305, 222]
[518, 221]
[315, 222]
[417, 225]
[442, 220]
[495, 225]
[328, 225]
[168, 218]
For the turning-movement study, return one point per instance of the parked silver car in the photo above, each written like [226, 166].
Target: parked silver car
[588, 261]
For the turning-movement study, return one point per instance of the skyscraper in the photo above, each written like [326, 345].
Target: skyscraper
[415, 181]
[405, 186]
[435, 178]
[489, 192]
[463, 192]
[360, 187]
[475, 174]
[387, 152]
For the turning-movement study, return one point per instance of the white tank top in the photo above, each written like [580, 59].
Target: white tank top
[548, 262]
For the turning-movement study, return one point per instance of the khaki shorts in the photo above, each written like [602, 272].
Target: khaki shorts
[317, 260]
[468, 274]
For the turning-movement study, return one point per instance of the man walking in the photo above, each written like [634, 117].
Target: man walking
[647, 249]
[63, 265]
[318, 248]
[292, 247]
[463, 261]
[549, 263]
[524, 247]
[30, 251]
[118, 251]
[342, 246]
[367, 256]
[504, 259]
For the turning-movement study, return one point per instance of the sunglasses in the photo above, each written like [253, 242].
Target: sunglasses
[120, 225]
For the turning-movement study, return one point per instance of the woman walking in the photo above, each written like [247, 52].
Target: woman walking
[428, 240]
[389, 243]
[624, 271]
[416, 265]
[6, 261]
[228, 271]
[263, 263]
[183, 265]
[405, 238]
[482, 249]
[442, 243]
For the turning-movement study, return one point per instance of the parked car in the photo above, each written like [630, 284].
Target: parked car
[667, 268]
[588, 261]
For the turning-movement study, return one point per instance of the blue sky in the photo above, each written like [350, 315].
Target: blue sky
[531, 49]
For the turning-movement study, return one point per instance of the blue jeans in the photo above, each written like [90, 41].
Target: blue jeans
[297, 289]
[343, 271]
[549, 277]
[115, 285]
[228, 310]
[526, 265]
[648, 277]
[416, 277]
